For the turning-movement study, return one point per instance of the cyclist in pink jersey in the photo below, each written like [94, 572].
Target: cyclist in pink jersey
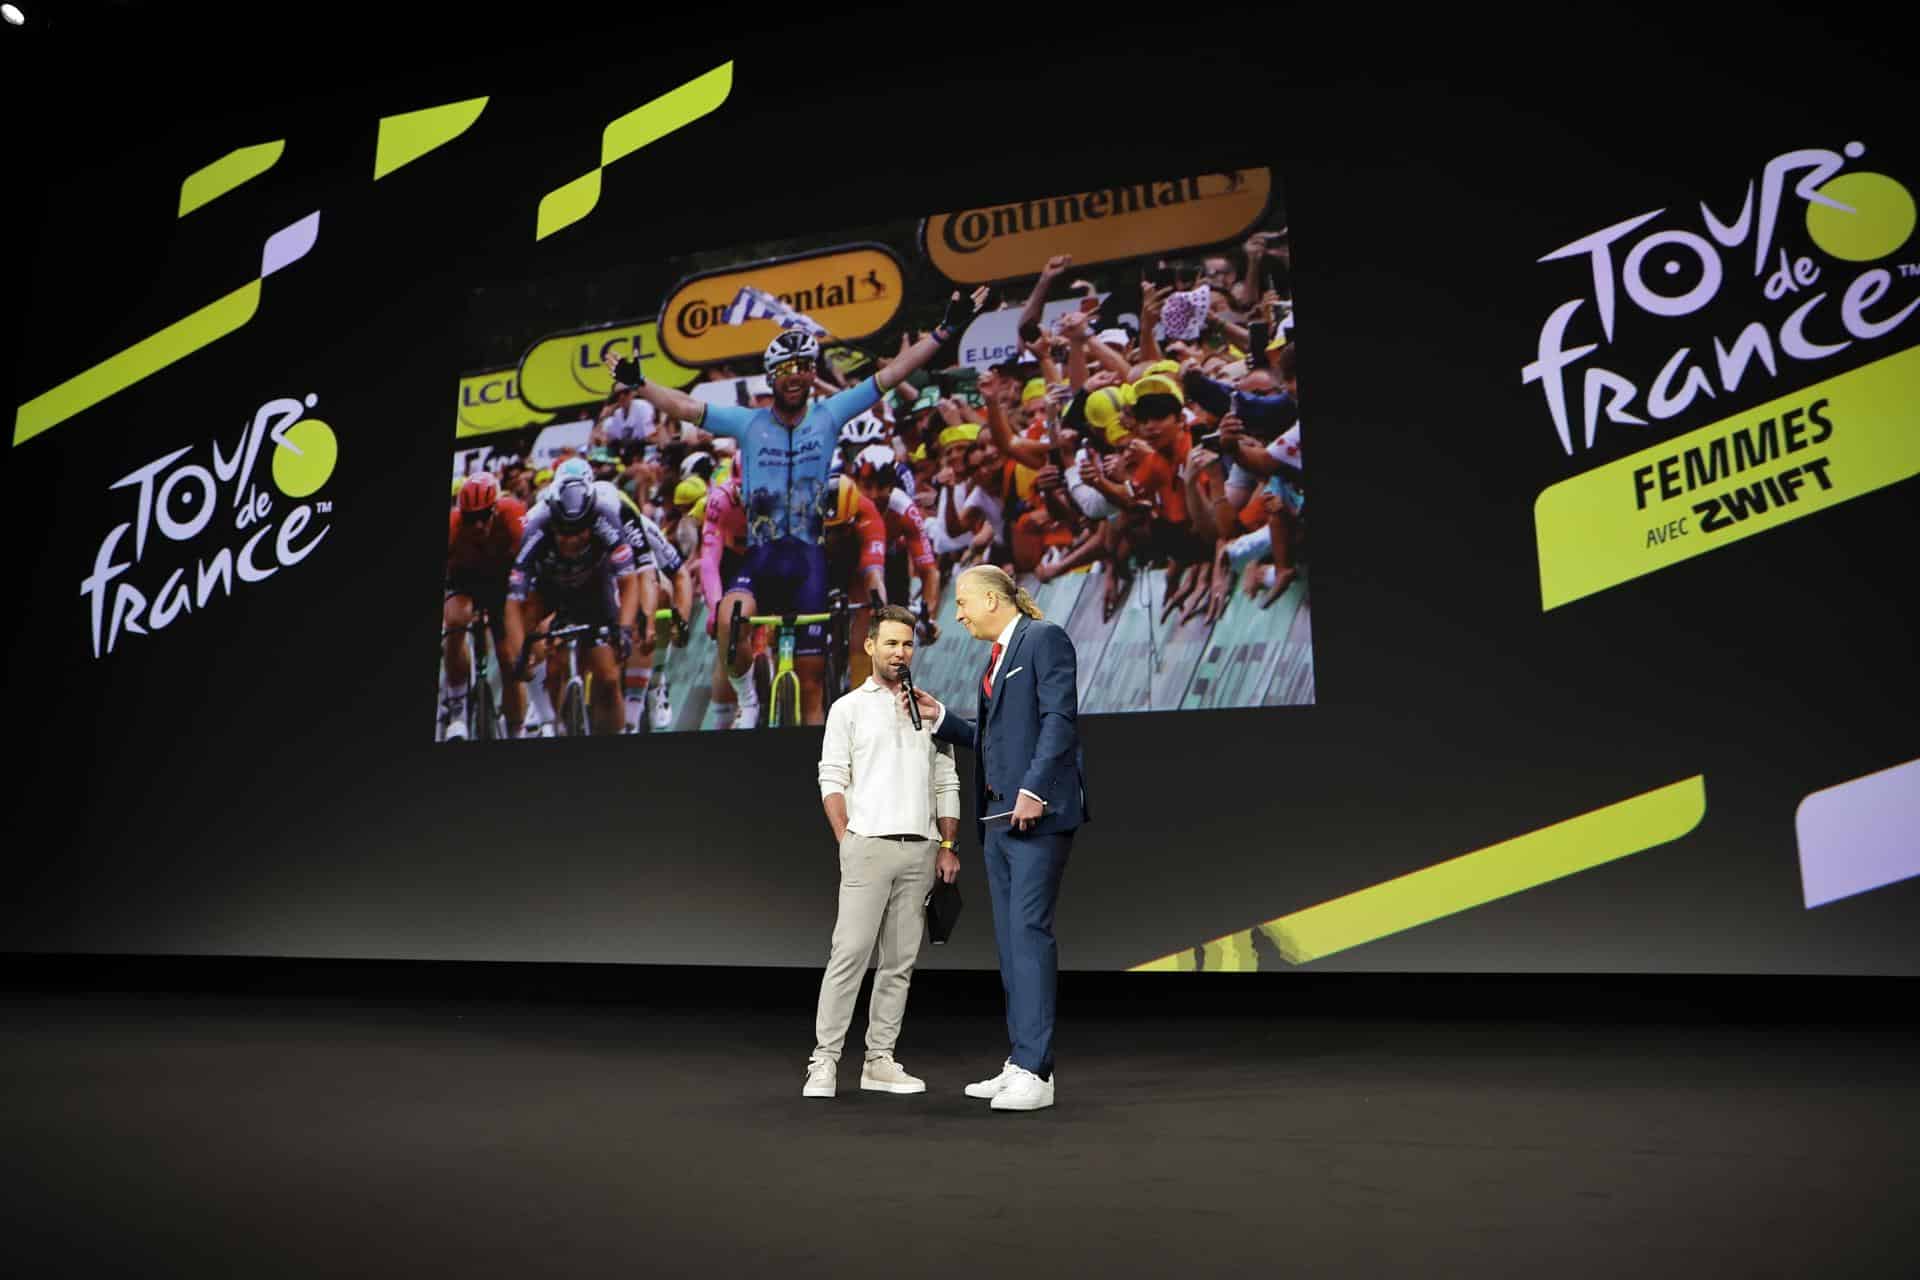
[723, 545]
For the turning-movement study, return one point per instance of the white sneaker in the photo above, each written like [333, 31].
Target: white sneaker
[662, 708]
[748, 715]
[991, 1088]
[1024, 1091]
[884, 1075]
[822, 1078]
[456, 727]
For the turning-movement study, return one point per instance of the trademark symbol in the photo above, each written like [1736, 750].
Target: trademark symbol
[1910, 269]
[324, 508]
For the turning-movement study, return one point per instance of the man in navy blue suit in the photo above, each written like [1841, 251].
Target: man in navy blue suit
[1027, 741]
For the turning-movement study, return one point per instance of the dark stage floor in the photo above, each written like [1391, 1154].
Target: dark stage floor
[277, 1134]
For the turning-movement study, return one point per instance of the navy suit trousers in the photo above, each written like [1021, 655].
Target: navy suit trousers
[1023, 879]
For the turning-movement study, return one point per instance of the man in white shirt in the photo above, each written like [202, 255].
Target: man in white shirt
[886, 786]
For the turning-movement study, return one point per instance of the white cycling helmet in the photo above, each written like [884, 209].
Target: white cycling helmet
[863, 429]
[877, 462]
[791, 344]
[571, 504]
[574, 466]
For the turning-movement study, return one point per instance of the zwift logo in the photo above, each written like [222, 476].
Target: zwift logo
[1850, 218]
[215, 504]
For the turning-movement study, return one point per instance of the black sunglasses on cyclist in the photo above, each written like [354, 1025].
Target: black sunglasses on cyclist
[787, 368]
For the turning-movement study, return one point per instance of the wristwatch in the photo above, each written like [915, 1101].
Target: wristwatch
[947, 845]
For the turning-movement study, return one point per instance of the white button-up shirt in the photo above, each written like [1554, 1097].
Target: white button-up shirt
[1005, 642]
[897, 779]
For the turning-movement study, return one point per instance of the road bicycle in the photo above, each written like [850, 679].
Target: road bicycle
[482, 716]
[784, 703]
[572, 711]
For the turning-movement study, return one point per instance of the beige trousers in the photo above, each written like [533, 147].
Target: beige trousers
[883, 895]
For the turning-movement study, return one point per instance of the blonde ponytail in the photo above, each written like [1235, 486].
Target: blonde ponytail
[994, 578]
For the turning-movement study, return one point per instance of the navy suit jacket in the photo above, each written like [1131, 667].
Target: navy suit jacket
[1028, 734]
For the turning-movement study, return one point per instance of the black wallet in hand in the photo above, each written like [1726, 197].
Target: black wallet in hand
[943, 909]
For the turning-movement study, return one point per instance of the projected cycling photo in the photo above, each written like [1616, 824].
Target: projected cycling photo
[678, 489]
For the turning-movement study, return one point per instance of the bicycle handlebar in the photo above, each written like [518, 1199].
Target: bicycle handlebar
[605, 630]
[777, 619]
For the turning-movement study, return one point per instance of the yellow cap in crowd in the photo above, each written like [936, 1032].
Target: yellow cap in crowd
[1158, 384]
[1169, 367]
[919, 453]
[544, 476]
[689, 491]
[1104, 408]
[1036, 389]
[959, 434]
[1106, 412]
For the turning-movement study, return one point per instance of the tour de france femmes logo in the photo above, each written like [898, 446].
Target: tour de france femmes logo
[201, 520]
[1677, 308]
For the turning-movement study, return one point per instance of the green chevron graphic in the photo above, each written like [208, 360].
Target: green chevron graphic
[641, 127]
[175, 342]
[1485, 875]
[241, 165]
[406, 137]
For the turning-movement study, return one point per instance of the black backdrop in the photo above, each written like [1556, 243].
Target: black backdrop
[257, 779]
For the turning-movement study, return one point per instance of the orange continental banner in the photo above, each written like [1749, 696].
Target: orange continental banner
[1131, 220]
[852, 291]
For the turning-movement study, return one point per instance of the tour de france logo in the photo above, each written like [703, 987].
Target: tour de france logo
[1812, 263]
[204, 513]
[1852, 218]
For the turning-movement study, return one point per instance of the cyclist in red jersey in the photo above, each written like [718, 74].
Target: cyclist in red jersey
[877, 470]
[483, 536]
[854, 535]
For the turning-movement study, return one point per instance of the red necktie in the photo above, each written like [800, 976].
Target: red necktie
[986, 681]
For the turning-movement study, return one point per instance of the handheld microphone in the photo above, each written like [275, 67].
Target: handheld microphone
[913, 701]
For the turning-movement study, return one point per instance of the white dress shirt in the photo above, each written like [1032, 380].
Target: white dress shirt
[1006, 643]
[897, 779]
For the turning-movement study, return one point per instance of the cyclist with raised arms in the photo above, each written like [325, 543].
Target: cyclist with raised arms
[579, 567]
[786, 453]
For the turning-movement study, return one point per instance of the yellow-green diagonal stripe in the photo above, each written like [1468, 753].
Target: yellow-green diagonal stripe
[1470, 880]
[406, 137]
[567, 203]
[643, 126]
[675, 109]
[141, 360]
[229, 171]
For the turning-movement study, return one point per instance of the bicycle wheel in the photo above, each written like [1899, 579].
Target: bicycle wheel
[485, 723]
[760, 671]
[784, 683]
[573, 710]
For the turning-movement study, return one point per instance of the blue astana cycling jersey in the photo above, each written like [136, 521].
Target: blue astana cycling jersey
[784, 468]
